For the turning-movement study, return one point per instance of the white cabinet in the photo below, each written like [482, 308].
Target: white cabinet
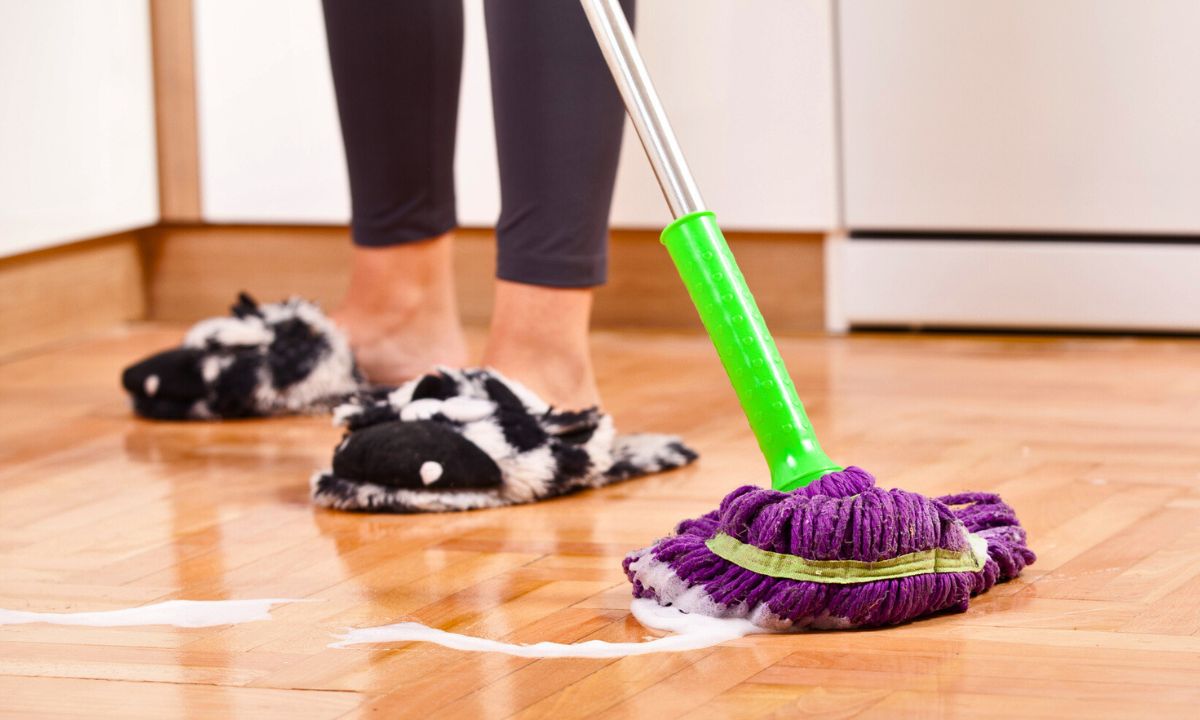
[268, 128]
[1025, 115]
[967, 283]
[748, 86]
[1015, 161]
[76, 121]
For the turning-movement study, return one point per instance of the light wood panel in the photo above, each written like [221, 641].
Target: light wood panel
[172, 42]
[197, 270]
[55, 294]
[1092, 440]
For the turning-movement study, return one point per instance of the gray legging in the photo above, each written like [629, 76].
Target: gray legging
[397, 65]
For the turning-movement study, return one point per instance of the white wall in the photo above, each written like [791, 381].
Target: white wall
[76, 121]
[748, 86]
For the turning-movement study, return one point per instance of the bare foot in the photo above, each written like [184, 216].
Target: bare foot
[400, 312]
[539, 337]
[391, 350]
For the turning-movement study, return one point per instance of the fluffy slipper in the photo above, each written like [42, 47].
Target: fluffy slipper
[274, 359]
[471, 439]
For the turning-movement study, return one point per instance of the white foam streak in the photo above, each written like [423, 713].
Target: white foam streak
[180, 613]
[693, 632]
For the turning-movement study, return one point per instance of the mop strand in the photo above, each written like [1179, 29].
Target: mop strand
[839, 553]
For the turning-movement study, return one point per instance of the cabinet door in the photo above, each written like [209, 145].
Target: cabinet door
[1025, 115]
[748, 86]
[269, 144]
[76, 122]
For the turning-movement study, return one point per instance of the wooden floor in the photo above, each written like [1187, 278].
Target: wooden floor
[1095, 442]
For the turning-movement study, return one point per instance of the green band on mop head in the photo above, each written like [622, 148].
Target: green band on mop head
[848, 572]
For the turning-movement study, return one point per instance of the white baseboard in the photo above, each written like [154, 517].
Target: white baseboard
[1014, 284]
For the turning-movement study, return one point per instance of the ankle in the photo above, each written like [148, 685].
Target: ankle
[539, 337]
[400, 311]
[367, 318]
[401, 279]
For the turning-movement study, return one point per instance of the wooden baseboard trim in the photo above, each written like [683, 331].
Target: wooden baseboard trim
[195, 271]
[60, 293]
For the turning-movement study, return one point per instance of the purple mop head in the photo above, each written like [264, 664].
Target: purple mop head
[839, 553]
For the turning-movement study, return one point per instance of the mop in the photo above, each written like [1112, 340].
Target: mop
[824, 547]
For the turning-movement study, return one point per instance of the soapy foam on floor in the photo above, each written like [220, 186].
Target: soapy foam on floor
[180, 613]
[692, 632]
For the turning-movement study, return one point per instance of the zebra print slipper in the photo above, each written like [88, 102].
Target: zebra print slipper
[471, 439]
[280, 358]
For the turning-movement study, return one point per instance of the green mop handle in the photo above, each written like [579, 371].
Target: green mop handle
[731, 317]
[710, 273]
